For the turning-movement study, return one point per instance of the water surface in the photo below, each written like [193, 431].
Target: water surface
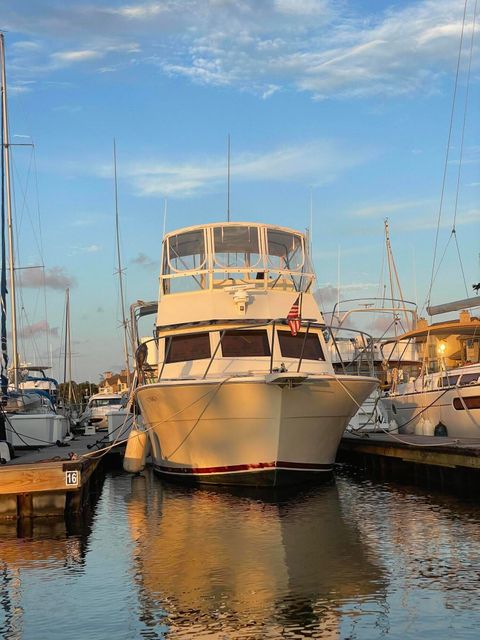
[352, 560]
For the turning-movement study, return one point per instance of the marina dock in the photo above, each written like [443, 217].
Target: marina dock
[445, 463]
[53, 481]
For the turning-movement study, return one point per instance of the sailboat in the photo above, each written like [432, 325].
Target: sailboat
[442, 398]
[120, 420]
[30, 416]
[244, 390]
[394, 315]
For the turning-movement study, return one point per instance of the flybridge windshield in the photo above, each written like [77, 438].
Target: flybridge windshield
[235, 254]
[186, 251]
[284, 250]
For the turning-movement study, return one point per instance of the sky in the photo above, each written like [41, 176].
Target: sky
[340, 114]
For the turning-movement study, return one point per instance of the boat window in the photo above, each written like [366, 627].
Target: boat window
[285, 250]
[186, 251]
[469, 378]
[245, 343]
[291, 346]
[195, 346]
[449, 381]
[236, 246]
[105, 402]
[472, 402]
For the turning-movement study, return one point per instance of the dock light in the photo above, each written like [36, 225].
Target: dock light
[442, 347]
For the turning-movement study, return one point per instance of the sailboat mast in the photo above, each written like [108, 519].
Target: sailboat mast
[392, 272]
[69, 346]
[120, 271]
[6, 151]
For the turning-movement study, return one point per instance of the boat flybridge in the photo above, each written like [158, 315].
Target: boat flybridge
[243, 391]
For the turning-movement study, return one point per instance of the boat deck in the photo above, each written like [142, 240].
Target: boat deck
[415, 459]
[50, 481]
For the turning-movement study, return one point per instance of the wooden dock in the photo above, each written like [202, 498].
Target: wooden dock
[447, 463]
[51, 481]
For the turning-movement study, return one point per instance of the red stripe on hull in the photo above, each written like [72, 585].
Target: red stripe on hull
[295, 466]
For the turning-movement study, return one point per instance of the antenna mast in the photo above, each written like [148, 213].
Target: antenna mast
[228, 178]
[119, 269]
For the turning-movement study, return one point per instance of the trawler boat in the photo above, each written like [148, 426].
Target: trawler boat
[443, 399]
[245, 392]
[98, 408]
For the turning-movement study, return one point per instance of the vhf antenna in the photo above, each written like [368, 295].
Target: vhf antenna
[228, 178]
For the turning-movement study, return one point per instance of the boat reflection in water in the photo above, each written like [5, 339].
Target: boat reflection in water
[213, 562]
[35, 546]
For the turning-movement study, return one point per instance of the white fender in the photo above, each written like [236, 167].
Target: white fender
[135, 451]
[428, 427]
[393, 425]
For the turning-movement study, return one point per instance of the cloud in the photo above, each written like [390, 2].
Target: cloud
[301, 7]
[428, 222]
[385, 208]
[100, 50]
[91, 248]
[314, 163]
[326, 296]
[326, 48]
[37, 329]
[76, 56]
[38, 277]
[144, 261]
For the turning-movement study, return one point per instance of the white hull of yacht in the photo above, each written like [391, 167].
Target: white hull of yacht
[35, 429]
[255, 431]
[421, 412]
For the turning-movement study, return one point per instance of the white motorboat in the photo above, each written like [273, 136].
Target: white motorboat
[444, 398]
[98, 407]
[245, 391]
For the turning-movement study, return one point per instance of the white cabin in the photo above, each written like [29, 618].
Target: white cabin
[225, 293]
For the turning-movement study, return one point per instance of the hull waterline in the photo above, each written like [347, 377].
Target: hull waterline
[246, 432]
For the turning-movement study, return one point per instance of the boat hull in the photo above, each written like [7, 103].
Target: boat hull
[451, 408]
[249, 431]
[33, 430]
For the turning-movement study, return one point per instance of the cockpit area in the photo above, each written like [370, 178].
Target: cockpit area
[230, 254]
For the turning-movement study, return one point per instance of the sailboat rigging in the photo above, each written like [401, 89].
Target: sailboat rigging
[120, 270]
[6, 183]
[30, 414]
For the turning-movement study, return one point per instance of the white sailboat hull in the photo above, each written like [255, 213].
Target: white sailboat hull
[249, 430]
[35, 429]
[421, 412]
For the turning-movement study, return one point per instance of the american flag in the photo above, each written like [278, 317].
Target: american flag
[294, 317]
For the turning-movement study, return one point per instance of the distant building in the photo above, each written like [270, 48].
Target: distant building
[114, 382]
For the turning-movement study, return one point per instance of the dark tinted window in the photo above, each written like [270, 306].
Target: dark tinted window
[468, 378]
[473, 402]
[189, 347]
[449, 381]
[245, 343]
[291, 346]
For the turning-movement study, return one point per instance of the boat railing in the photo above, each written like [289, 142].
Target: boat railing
[362, 360]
